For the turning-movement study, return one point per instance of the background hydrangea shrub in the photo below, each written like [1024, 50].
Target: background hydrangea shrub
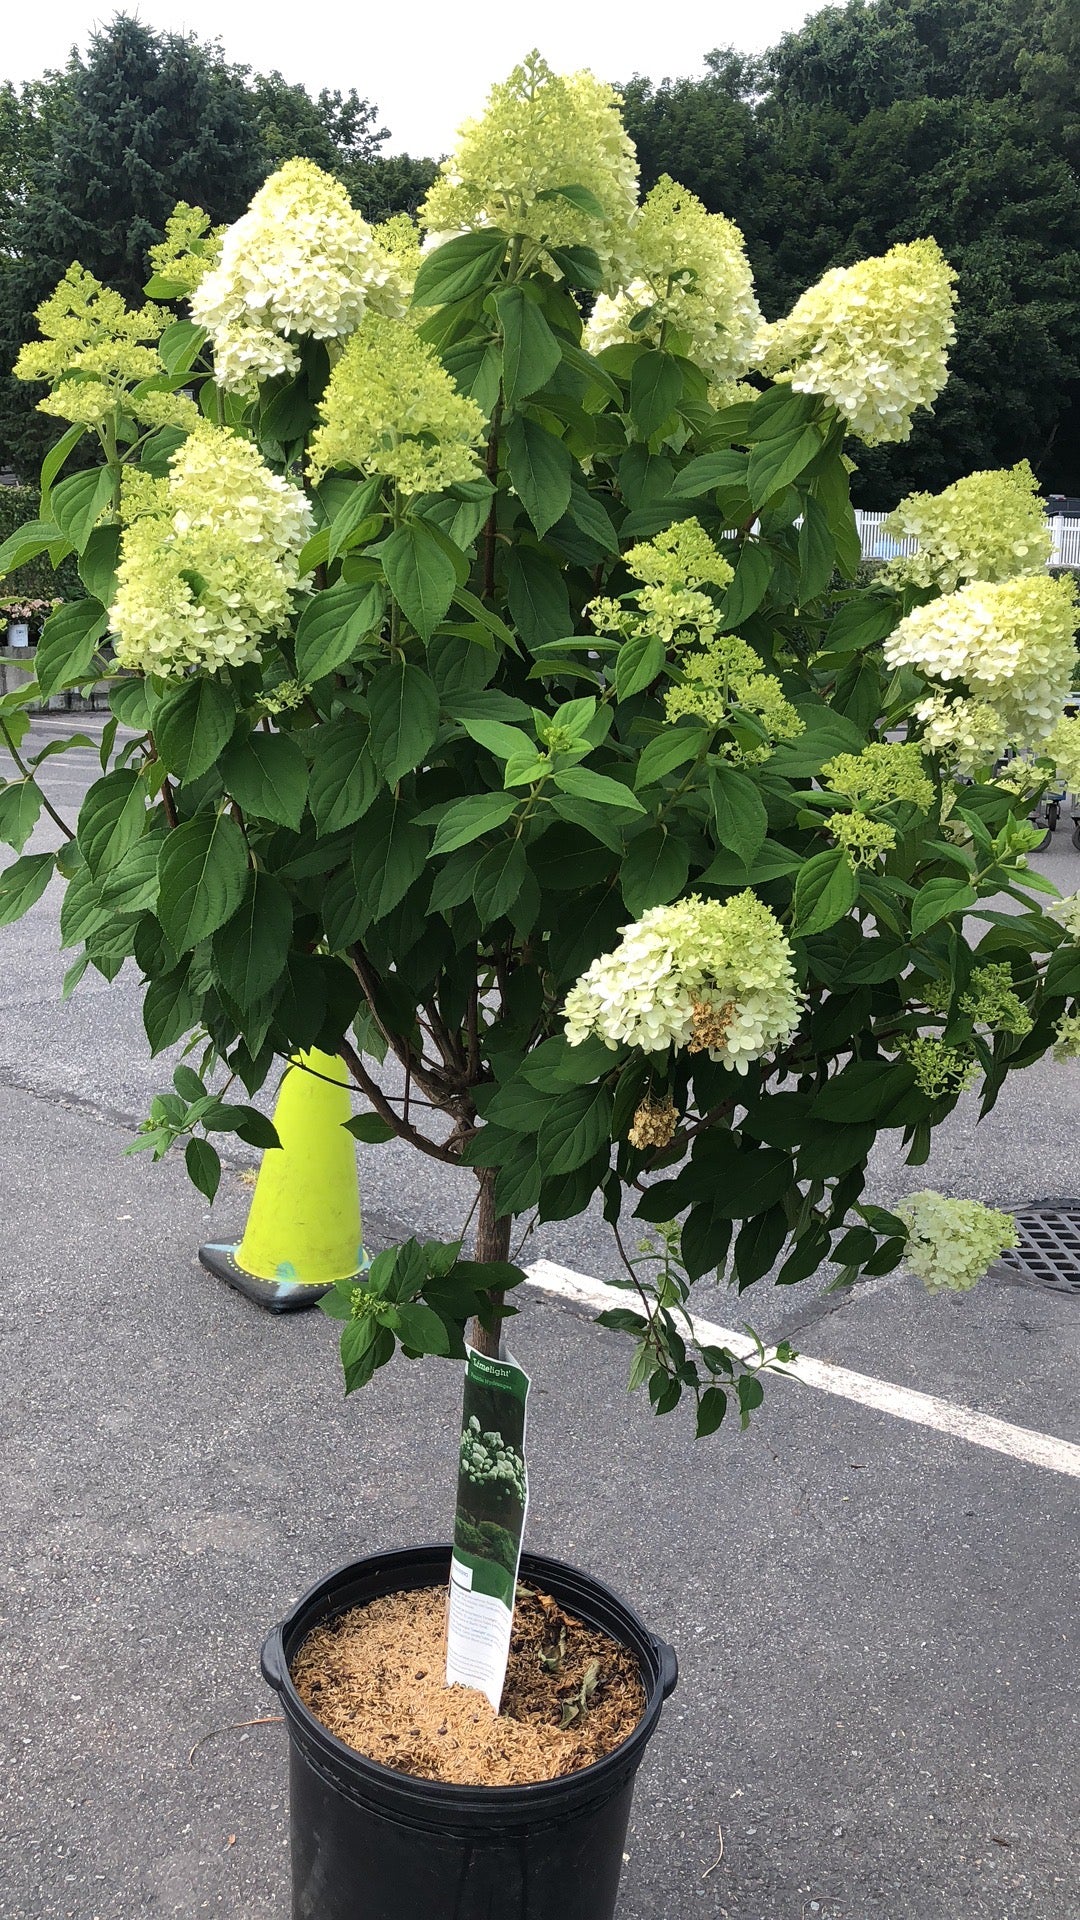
[507, 713]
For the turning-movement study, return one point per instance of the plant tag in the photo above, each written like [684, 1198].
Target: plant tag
[493, 1495]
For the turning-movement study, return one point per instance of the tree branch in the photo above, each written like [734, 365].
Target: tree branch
[373, 1093]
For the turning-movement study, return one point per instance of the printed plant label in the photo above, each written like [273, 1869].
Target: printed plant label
[493, 1496]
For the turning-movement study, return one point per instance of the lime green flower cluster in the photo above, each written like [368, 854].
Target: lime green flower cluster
[690, 286]
[953, 1243]
[400, 238]
[391, 407]
[98, 352]
[285, 697]
[863, 840]
[941, 1070]
[674, 568]
[970, 733]
[713, 976]
[542, 133]
[872, 339]
[988, 526]
[1011, 646]
[992, 1001]
[1067, 1037]
[300, 263]
[209, 563]
[883, 774]
[190, 248]
[725, 673]
[1062, 746]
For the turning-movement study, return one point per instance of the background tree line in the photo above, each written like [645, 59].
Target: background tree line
[878, 121]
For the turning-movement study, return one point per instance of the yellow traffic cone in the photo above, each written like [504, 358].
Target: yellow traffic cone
[303, 1231]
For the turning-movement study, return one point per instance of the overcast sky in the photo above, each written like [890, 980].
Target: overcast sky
[426, 65]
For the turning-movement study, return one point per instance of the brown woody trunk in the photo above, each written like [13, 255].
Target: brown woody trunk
[492, 1243]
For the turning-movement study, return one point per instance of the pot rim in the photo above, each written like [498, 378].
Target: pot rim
[656, 1659]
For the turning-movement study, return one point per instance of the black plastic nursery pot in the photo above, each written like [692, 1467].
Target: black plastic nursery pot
[372, 1844]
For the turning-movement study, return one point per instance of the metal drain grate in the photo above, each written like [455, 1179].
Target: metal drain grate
[1047, 1252]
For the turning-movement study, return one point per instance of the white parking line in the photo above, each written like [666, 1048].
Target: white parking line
[923, 1409]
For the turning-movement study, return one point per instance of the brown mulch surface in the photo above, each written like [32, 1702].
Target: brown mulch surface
[375, 1677]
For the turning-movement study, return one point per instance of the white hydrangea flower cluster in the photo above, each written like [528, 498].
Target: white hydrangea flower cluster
[953, 1243]
[208, 563]
[1062, 746]
[691, 285]
[968, 732]
[1009, 643]
[709, 975]
[988, 526]
[541, 132]
[872, 339]
[1067, 914]
[300, 263]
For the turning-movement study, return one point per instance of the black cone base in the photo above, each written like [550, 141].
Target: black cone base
[277, 1296]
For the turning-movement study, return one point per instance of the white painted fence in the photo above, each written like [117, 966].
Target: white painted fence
[1064, 534]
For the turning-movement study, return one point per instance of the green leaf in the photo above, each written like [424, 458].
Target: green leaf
[759, 1243]
[77, 503]
[27, 541]
[753, 571]
[670, 749]
[419, 1327]
[404, 710]
[204, 1166]
[827, 733]
[387, 857]
[23, 883]
[251, 949]
[193, 724]
[180, 346]
[575, 1129]
[55, 459]
[421, 574]
[939, 900]
[862, 622]
[368, 1128]
[709, 471]
[817, 551]
[584, 784]
[97, 567]
[775, 463]
[202, 869]
[531, 351]
[826, 889]
[637, 664]
[579, 197]
[467, 819]
[538, 597]
[267, 776]
[580, 266]
[459, 267]
[68, 642]
[343, 781]
[539, 466]
[656, 385]
[111, 819]
[866, 1091]
[20, 804]
[498, 880]
[332, 626]
[654, 870]
[771, 862]
[711, 1410]
[738, 812]
[356, 508]
[169, 1009]
[132, 885]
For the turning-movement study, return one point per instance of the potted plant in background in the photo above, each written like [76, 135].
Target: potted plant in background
[503, 715]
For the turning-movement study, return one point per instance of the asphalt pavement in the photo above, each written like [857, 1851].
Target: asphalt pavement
[876, 1717]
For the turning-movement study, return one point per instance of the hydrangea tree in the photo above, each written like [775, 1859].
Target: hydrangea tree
[497, 705]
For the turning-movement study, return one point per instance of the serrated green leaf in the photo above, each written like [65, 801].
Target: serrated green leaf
[368, 1128]
[251, 949]
[498, 879]
[169, 1010]
[739, 814]
[267, 776]
[575, 1129]
[180, 346]
[654, 870]
[418, 1327]
[111, 819]
[343, 781]
[938, 900]
[332, 626]
[202, 870]
[539, 467]
[20, 804]
[825, 890]
[538, 596]
[27, 541]
[753, 571]
[422, 576]
[671, 749]
[776, 462]
[531, 351]
[404, 710]
[817, 551]
[23, 883]
[459, 267]
[193, 724]
[387, 857]
[68, 642]
[467, 819]
[204, 1166]
[656, 386]
[583, 784]
[637, 664]
[77, 503]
